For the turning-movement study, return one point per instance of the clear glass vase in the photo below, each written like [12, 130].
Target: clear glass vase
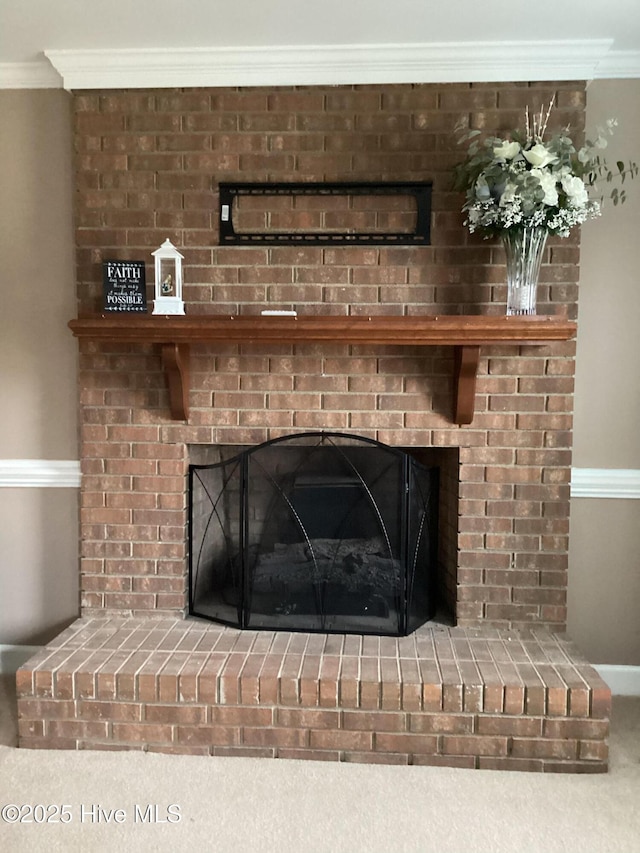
[524, 248]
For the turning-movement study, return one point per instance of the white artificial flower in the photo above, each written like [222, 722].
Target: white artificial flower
[506, 151]
[482, 189]
[509, 194]
[575, 190]
[539, 156]
[548, 185]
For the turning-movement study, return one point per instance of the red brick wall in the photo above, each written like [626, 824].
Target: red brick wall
[148, 165]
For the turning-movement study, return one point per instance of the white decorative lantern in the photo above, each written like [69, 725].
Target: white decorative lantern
[168, 281]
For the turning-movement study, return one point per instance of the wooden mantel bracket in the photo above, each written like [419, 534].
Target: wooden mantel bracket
[466, 334]
[175, 362]
[466, 371]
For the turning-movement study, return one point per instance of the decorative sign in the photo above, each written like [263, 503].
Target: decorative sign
[124, 286]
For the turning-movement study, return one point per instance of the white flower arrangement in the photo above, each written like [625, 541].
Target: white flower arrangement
[526, 182]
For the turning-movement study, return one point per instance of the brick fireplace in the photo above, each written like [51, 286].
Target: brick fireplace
[497, 687]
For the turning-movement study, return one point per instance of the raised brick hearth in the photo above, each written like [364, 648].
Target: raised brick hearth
[148, 165]
[483, 698]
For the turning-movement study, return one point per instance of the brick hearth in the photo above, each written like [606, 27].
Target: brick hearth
[474, 698]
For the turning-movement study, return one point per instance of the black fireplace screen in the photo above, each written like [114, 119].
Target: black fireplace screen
[314, 532]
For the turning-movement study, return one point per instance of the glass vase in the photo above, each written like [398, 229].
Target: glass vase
[524, 248]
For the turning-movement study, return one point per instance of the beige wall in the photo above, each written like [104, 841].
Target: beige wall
[607, 403]
[38, 527]
[604, 580]
[38, 282]
[38, 533]
[604, 560]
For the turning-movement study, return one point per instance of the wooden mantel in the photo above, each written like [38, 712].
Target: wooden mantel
[466, 334]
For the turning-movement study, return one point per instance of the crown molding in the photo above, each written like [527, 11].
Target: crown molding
[39, 473]
[452, 62]
[29, 75]
[605, 483]
[281, 65]
[619, 64]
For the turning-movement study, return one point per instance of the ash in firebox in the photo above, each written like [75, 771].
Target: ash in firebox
[355, 564]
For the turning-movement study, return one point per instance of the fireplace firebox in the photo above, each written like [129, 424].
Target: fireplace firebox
[322, 532]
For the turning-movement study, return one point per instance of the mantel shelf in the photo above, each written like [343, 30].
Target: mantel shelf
[466, 333]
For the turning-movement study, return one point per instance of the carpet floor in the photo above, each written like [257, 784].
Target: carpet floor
[134, 801]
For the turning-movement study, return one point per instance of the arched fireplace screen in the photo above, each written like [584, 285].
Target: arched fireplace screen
[314, 532]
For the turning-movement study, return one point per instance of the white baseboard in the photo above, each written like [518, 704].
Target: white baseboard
[623, 680]
[13, 657]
